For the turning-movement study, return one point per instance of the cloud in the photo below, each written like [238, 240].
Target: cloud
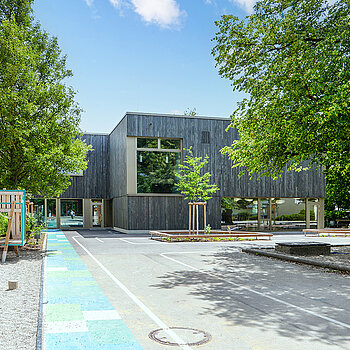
[165, 13]
[116, 3]
[248, 5]
[89, 2]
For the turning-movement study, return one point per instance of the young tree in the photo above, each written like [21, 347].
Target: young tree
[39, 119]
[194, 186]
[292, 59]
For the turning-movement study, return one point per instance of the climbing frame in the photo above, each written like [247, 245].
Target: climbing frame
[13, 205]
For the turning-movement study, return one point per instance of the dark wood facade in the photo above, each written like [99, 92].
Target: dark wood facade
[95, 180]
[106, 176]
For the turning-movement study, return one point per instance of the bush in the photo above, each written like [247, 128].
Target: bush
[3, 224]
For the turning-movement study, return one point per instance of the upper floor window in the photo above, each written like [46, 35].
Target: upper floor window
[158, 160]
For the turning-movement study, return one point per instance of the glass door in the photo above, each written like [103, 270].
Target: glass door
[71, 213]
[97, 213]
[51, 213]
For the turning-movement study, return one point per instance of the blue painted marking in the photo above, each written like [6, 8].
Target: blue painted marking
[61, 289]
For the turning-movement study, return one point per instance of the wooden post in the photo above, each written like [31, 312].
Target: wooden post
[307, 212]
[193, 217]
[189, 218]
[205, 215]
[9, 226]
[259, 213]
[270, 213]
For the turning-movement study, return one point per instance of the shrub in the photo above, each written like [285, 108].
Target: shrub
[3, 224]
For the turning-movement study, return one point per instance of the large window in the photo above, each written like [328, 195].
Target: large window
[71, 213]
[157, 162]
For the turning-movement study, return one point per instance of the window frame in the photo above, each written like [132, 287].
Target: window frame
[158, 149]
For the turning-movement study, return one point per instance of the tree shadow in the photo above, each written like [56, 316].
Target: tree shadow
[258, 292]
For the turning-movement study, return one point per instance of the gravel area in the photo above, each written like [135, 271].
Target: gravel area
[19, 308]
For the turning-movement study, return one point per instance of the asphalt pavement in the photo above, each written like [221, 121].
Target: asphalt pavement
[211, 292]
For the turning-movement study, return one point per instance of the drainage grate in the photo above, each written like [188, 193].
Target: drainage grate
[191, 336]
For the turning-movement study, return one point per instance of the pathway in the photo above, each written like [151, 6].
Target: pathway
[77, 314]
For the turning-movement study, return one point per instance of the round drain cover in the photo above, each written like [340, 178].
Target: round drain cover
[190, 336]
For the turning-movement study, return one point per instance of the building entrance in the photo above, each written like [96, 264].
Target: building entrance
[97, 216]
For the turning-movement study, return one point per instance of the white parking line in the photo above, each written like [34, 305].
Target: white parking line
[329, 319]
[100, 240]
[127, 241]
[137, 301]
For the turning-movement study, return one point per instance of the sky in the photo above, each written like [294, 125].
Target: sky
[150, 56]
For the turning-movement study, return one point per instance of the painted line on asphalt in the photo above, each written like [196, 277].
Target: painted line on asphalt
[125, 240]
[137, 301]
[329, 319]
[100, 240]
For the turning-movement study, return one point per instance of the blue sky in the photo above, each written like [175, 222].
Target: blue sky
[141, 55]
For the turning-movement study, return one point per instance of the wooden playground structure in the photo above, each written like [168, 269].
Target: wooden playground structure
[13, 207]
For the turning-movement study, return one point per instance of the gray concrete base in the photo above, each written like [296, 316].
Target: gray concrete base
[304, 248]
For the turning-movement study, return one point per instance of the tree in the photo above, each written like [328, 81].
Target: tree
[292, 59]
[39, 120]
[191, 112]
[194, 186]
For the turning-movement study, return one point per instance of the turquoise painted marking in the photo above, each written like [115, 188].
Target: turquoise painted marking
[69, 294]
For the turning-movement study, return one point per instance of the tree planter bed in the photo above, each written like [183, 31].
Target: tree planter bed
[182, 236]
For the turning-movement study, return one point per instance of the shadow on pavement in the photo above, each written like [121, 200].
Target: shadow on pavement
[230, 273]
[105, 234]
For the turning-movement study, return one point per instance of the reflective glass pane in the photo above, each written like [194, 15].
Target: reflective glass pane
[147, 143]
[170, 144]
[71, 212]
[241, 212]
[156, 171]
[39, 209]
[51, 213]
[97, 213]
[290, 212]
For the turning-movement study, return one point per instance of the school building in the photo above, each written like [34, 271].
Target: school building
[129, 184]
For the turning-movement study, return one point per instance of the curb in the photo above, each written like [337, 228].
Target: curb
[332, 266]
[39, 334]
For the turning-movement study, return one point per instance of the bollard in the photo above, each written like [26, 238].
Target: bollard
[13, 285]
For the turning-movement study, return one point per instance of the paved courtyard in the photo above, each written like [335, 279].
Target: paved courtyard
[128, 286]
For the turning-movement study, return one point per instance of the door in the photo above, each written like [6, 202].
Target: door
[97, 214]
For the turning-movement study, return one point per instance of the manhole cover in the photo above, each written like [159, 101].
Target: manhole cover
[190, 336]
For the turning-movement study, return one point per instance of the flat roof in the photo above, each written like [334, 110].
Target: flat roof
[168, 115]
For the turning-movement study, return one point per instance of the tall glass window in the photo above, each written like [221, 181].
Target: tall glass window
[51, 213]
[71, 213]
[157, 162]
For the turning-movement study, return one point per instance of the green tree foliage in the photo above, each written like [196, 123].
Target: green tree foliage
[194, 186]
[292, 59]
[191, 112]
[39, 119]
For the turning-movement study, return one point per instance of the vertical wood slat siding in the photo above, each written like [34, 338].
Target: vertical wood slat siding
[291, 184]
[95, 181]
[117, 157]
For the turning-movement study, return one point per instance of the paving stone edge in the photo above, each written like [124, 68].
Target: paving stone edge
[39, 335]
[328, 265]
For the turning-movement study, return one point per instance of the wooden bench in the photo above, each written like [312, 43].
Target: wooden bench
[341, 232]
[176, 235]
